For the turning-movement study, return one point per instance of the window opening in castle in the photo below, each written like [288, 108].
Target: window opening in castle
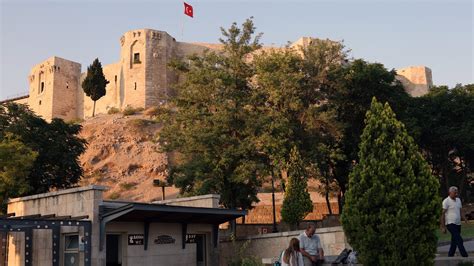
[42, 86]
[136, 58]
[135, 86]
[115, 79]
[40, 102]
[67, 85]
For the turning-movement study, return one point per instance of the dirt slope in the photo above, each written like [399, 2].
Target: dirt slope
[122, 155]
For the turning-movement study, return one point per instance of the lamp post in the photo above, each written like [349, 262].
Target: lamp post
[158, 183]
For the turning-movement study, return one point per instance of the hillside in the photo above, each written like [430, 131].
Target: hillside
[122, 155]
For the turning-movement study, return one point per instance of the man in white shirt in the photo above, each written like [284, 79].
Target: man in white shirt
[451, 219]
[310, 247]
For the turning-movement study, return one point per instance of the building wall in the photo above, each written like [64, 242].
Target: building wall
[145, 82]
[66, 76]
[76, 202]
[52, 88]
[161, 254]
[417, 80]
[133, 77]
[271, 245]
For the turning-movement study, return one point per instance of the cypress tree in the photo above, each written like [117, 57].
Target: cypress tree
[297, 202]
[392, 206]
[94, 84]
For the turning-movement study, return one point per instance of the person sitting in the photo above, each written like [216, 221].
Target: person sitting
[310, 246]
[292, 255]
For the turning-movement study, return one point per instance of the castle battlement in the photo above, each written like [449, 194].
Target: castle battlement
[141, 77]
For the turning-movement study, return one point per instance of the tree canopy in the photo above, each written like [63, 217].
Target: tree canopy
[210, 127]
[16, 162]
[442, 124]
[56, 144]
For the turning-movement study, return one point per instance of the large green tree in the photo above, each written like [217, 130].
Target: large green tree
[348, 100]
[16, 162]
[208, 125]
[392, 196]
[297, 202]
[442, 123]
[289, 88]
[94, 84]
[57, 144]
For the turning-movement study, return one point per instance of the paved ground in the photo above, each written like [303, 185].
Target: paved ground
[469, 245]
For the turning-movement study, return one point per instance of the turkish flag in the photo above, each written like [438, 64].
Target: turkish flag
[188, 10]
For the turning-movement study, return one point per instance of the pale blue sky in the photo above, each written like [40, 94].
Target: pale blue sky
[436, 33]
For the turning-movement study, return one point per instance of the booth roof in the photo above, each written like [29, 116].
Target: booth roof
[140, 212]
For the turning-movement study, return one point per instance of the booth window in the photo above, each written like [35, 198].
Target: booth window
[71, 250]
[136, 58]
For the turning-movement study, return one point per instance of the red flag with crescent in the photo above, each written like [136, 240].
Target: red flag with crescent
[188, 9]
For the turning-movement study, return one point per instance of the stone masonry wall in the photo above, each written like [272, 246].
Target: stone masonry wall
[416, 80]
[142, 77]
[271, 245]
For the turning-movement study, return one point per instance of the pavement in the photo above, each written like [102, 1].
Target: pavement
[442, 258]
[469, 245]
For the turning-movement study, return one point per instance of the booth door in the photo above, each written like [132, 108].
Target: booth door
[113, 250]
[201, 250]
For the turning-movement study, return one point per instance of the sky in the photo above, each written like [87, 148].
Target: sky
[398, 33]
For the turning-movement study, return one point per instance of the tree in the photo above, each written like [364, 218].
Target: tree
[57, 144]
[297, 202]
[207, 125]
[392, 196]
[442, 124]
[94, 84]
[288, 95]
[348, 100]
[16, 161]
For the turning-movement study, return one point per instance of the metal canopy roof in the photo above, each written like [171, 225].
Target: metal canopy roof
[134, 212]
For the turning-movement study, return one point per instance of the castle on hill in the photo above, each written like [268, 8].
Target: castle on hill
[141, 78]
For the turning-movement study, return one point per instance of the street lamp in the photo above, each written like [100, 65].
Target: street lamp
[159, 183]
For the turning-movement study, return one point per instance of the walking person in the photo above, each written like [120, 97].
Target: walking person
[310, 246]
[451, 220]
[292, 255]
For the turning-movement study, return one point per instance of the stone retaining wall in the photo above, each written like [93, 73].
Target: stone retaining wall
[271, 245]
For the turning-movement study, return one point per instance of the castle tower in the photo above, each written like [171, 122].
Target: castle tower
[53, 87]
[416, 80]
[145, 76]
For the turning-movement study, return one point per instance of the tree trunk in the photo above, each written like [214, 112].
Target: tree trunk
[327, 195]
[93, 110]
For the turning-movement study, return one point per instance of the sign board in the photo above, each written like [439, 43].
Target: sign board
[164, 239]
[190, 238]
[135, 239]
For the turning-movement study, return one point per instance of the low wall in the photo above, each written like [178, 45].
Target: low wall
[271, 245]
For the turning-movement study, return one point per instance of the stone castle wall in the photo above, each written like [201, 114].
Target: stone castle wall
[416, 80]
[141, 78]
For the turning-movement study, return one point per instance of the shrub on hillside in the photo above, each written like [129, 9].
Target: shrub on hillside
[114, 195]
[152, 111]
[128, 185]
[131, 111]
[113, 110]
